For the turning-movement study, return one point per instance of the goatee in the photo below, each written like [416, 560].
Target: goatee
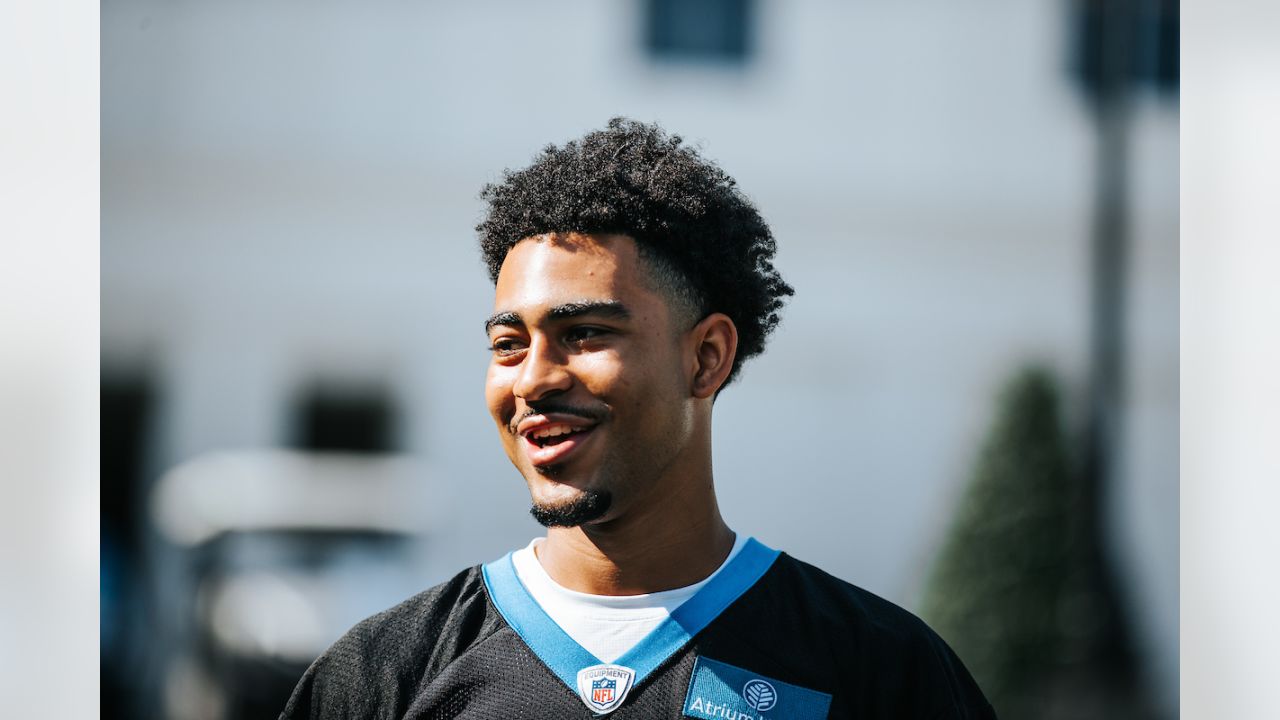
[588, 506]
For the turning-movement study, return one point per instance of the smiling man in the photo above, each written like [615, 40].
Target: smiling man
[632, 279]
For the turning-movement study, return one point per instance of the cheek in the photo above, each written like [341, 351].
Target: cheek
[498, 395]
[600, 373]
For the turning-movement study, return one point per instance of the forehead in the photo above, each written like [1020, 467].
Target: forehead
[547, 270]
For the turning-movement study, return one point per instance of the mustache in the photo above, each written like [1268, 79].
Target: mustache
[548, 407]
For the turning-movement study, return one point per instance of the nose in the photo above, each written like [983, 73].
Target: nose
[543, 372]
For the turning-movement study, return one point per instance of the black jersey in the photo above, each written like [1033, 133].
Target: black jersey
[768, 637]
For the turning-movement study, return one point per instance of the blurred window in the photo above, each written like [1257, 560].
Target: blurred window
[699, 30]
[345, 420]
[1145, 33]
[1161, 41]
[126, 408]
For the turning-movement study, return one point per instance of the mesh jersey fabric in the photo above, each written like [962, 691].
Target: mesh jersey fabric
[448, 653]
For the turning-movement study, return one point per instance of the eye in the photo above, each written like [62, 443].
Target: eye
[506, 346]
[584, 333]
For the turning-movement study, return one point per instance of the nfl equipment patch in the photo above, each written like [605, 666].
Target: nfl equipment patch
[604, 687]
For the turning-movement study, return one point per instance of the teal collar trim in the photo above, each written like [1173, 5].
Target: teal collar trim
[565, 657]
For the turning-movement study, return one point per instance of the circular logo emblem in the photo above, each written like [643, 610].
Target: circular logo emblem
[760, 695]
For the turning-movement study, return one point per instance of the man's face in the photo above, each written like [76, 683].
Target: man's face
[587, 380]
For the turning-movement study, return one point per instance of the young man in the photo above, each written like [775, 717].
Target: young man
[632, 279]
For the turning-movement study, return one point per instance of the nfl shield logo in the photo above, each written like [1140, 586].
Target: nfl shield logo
[602, 690]
[604, 687]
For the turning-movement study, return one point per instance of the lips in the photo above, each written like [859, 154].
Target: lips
[553, 438]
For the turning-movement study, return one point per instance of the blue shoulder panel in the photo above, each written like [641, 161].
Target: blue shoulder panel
[566, 657]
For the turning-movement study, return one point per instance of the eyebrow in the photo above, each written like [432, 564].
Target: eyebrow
[600, 308]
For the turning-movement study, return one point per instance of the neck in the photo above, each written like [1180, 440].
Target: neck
[669, 543]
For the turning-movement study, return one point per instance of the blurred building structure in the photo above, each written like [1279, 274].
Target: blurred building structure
[288, 196]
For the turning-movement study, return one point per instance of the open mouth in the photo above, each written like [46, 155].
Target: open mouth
[554, 440]
[552, 435]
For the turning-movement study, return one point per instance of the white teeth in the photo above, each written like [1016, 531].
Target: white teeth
[551, 431]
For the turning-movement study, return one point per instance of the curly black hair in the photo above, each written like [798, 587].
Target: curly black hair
[687, 217]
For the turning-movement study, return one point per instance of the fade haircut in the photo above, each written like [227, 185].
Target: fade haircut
[705, 243]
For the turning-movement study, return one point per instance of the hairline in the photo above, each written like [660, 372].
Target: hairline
[686, 301]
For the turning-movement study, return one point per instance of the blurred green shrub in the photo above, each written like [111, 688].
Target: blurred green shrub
[1005, 589]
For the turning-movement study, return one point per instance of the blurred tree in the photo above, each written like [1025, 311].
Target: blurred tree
[1018, 590]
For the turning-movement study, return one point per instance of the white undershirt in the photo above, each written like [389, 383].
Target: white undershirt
[607, 626]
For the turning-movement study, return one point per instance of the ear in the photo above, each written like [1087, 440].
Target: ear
[715, 345]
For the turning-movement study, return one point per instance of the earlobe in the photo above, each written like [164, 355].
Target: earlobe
[717, 346]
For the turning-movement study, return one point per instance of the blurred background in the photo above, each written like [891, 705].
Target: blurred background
[977, 205]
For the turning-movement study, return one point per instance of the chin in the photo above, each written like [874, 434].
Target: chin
[581, 508]
[549, 471]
